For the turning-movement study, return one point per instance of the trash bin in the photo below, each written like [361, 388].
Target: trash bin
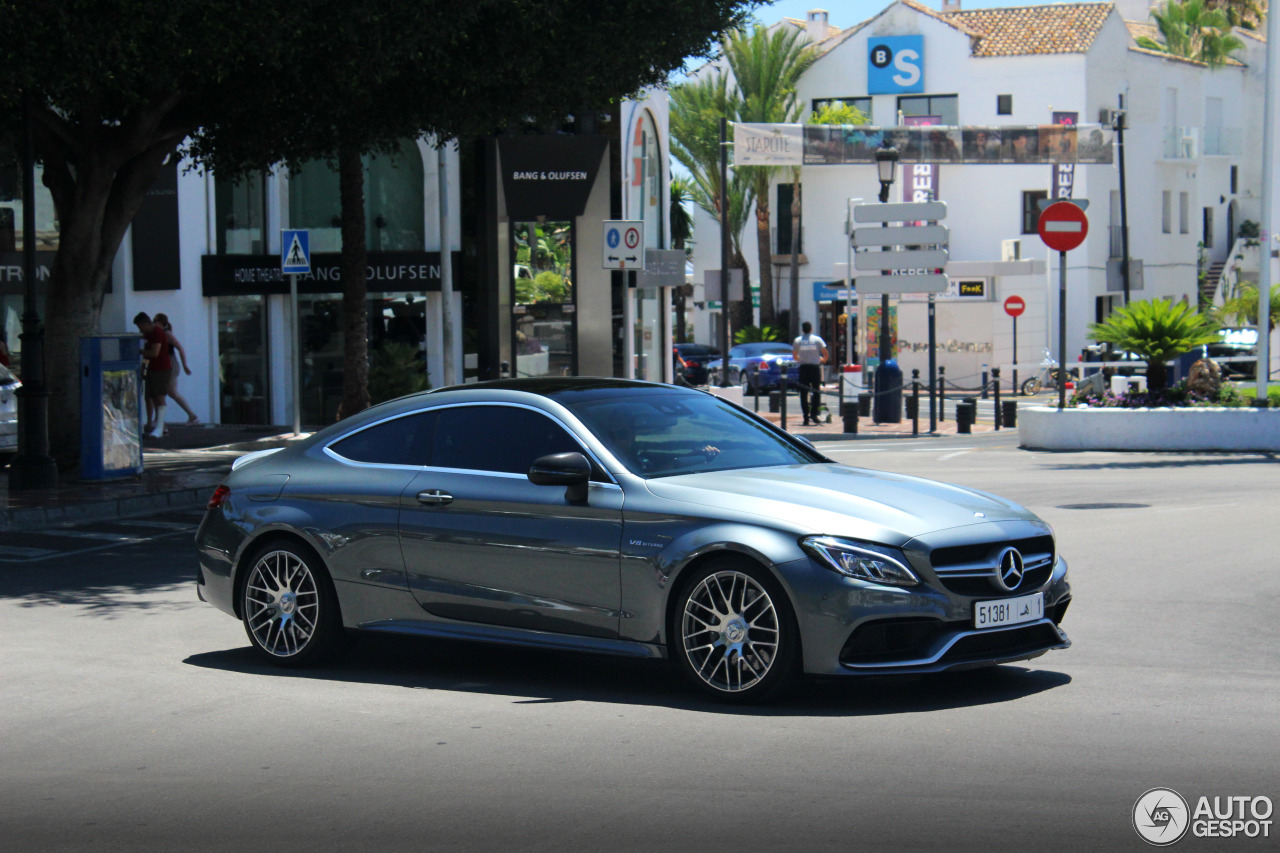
[966, 412]
[864, 405]
[912, 405]
[775, 401]
[110, 406]
[888, 405]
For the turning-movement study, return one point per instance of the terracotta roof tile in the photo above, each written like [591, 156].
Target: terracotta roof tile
[1053, 28]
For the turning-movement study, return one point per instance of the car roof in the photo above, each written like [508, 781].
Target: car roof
[568, 389]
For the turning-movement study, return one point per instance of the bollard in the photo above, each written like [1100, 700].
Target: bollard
[849, 414]
[1009, 413]
[964, 417]
[775, 404]
[913, 404]
[942, 393]
[782, 400]
[985, 380]
[755, 388]
[995, 375]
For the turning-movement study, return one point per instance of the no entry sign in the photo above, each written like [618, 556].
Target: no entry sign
[1014, 306]
[1063, 226]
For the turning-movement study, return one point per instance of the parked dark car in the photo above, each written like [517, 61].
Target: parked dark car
[693, 358]
[769, 358]
[626, 518]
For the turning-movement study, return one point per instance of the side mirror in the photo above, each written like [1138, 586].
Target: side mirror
[571, 470]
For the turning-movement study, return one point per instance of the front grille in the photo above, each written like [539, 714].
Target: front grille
[969, 569]
[1001, 644]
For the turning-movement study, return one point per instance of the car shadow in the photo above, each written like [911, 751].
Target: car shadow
[537, 676]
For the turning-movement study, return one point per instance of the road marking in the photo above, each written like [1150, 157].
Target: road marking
[39, 554]
[944, 457]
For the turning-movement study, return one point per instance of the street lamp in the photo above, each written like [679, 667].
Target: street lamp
[886, 163]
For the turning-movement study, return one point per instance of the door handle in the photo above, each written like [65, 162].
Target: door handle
[434, 497]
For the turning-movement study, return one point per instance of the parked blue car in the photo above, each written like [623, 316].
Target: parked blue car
[769, 358]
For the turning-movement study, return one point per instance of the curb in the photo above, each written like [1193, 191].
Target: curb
[30, 519]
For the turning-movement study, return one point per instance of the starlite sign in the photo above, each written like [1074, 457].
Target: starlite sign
[895, 65]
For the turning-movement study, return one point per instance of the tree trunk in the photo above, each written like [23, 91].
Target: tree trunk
[764, 252]
[355, 337]
[96, 189]
[740, 310]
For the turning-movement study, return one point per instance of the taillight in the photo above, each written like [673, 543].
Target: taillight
[689, 364]
[218, 497]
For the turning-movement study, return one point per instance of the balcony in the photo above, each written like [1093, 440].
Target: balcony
[1180, 143]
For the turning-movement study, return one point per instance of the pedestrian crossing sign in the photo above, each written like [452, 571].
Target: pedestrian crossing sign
[295, 251]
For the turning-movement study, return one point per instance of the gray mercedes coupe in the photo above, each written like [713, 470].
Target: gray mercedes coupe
[628, 518]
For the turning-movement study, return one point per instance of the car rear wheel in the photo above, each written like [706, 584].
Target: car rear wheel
[289, 609]
[734, 633]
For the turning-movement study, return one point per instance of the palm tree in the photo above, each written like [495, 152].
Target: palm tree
[696, 110]
[1243, 306]
[1245, 14]
[1157, 330]
[1192, 30]
[766, 68]
[681, 230]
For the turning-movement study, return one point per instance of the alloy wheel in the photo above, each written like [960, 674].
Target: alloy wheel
[282, 604]
[730, 631]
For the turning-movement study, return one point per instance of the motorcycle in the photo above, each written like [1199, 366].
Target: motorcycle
[1046, 378]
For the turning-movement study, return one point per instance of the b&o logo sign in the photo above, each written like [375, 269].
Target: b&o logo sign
[895, 65]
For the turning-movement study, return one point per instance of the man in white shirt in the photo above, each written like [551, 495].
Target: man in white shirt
[811, 351]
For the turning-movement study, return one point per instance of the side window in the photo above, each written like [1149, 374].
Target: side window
[497, 438]
[402, 441]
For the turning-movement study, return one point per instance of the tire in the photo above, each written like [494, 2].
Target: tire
[1031, 386]
[288, 606]
[733, 634]
[748, 386]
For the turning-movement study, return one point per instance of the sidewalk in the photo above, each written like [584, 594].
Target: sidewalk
[181, 469]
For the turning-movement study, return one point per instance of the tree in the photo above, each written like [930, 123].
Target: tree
[1245, 14]
[1243, 306]
[696, 110]
[681, 231]
[766, 67]
[1193, 31]
[1157, 330]
[118, 85]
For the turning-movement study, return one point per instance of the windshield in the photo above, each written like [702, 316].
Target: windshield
[662, 436]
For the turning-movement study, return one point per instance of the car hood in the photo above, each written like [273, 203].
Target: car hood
[839, 500]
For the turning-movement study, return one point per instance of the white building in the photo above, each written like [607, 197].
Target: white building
[1193, 143]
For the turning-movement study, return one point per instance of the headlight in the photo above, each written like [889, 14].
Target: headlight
[861, 561]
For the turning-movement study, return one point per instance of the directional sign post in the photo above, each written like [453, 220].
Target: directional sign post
[1014, 306]
[623, 245]
[911, 259]
[1063, 226]
[295, 258]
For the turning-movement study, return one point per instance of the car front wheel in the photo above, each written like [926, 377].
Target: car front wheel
[289, 609]
[734, 634]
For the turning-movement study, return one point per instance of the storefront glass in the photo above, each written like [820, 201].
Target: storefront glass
[239, 206]
[397, 325]
[544, 301]
[648, 334]
[243, 377]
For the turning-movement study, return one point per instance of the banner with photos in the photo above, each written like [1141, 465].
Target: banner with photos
[843, 145]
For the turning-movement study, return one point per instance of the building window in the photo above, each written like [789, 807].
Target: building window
[393, 198]
[783, 213]
[945, 107]
[1166, 212]
[239, 204]
[1235, 178]
[1004, 105]
[1031, 210]
[862, 105]
[1184, 213]
[1208, 228]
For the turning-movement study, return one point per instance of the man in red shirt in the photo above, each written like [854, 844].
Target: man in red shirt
[159, 364]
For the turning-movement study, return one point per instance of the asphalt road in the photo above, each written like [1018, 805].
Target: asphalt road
[134, 717]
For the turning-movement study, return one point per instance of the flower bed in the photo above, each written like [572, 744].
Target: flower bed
[1187, 428]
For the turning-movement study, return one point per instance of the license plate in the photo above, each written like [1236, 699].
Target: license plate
[1008, 611]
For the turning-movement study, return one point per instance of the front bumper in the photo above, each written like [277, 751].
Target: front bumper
[864, 629]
